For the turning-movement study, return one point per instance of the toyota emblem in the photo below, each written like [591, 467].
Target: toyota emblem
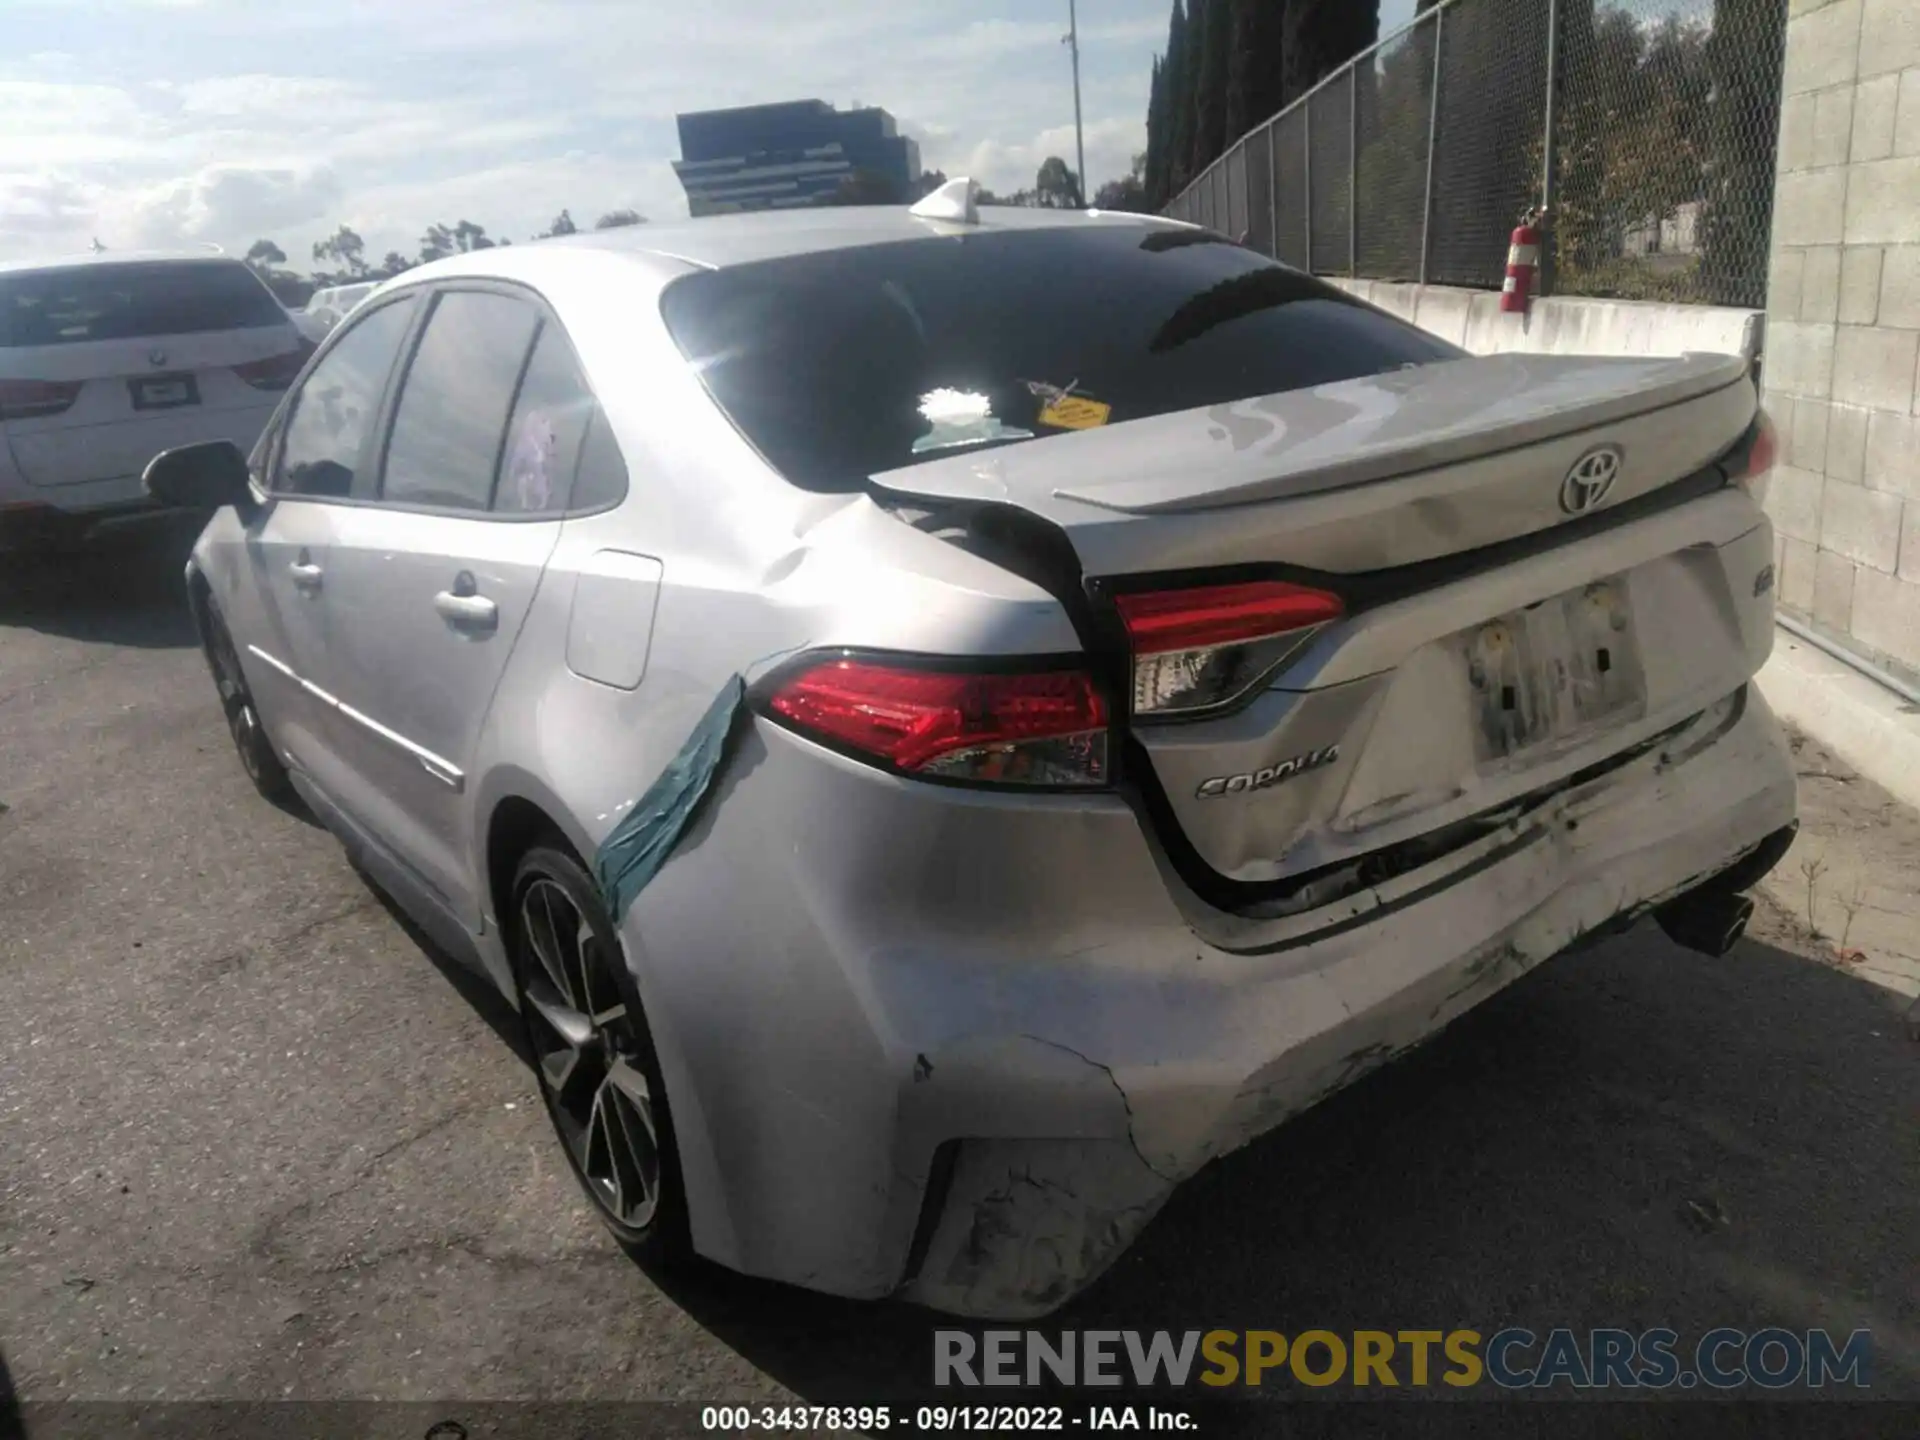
[1590, 480]
[156, 358]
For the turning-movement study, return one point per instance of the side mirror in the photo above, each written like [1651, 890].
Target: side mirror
[200, 477]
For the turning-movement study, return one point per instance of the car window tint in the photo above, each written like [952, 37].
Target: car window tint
[601, 479]
[549, 420]
[334, 410]
[75, 304]
[452, 413]
[845, 363]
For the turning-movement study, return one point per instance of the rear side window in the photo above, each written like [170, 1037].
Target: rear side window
[451, 422]
[847, 363]
[79, 303]
[550, 419]
[602, 477]
[335, 407]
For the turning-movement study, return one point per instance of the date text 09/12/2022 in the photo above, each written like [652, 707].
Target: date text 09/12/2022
[925, 1419]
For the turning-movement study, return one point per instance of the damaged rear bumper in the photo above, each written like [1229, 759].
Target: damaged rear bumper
[963, 1047]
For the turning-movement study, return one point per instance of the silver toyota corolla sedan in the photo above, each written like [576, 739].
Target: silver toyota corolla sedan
[945, 721]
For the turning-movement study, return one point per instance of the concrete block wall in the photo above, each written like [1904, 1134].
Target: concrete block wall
[1564, 325]
[1842, 372]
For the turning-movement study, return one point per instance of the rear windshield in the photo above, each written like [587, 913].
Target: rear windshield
[132, 302]
[847, 363]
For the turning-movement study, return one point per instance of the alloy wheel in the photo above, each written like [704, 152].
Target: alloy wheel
[236, 702]
[587, 1051]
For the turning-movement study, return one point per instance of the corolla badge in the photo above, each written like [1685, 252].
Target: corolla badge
[1591, 479]
[1267, 775]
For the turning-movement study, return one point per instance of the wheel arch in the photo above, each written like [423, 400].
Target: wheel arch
[199, 599]
[515, 811]
[516, 826]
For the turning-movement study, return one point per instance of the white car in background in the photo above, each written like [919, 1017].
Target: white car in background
[108, 359]
[311, 326]
[328, 307]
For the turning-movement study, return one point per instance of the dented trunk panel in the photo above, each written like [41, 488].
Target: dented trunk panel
[1558, 670]
[1457, 700]
[1477, 682]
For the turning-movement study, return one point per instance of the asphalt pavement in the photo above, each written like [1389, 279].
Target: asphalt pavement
[256, 1141]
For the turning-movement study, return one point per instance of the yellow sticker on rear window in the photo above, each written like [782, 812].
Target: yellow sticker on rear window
[1075, 412]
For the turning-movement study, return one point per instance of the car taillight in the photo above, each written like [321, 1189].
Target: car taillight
[1761, 455]
[276, 372]
[1200, 649]
[1033, 727]
[29, 399]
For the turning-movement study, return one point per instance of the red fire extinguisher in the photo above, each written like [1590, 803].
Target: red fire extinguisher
[1523, 263]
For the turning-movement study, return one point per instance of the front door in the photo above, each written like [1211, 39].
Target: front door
[321, 458]
[286, 652]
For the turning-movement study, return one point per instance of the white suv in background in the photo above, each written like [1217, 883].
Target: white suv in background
[106, 360]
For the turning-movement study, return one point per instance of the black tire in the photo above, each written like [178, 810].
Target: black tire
[257, 755]
[588, 1083]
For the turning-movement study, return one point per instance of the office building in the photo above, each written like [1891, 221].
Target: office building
[768, 157]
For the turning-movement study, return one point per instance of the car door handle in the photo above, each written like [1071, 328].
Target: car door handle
[305, 574]
[467, 612]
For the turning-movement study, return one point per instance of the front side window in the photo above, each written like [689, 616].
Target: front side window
[334, 411]
[451, 421]
[842, 364]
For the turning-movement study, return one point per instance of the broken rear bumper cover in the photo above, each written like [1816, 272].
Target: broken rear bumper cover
[962, 1046]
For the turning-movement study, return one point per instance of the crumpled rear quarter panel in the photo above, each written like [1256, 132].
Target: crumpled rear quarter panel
[846, 970]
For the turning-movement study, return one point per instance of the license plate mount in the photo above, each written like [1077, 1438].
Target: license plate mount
[1553, 673]
[164, 392]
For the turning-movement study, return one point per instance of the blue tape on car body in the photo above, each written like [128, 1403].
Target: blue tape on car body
[643, 842]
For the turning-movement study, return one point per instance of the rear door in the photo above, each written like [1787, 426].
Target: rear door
[104, 365]
[436, 579]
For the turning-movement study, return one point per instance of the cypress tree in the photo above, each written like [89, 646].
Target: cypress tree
[1210, 97]
[1319, 36]
[1156, 139]
[1255, 89]
[1182, 75]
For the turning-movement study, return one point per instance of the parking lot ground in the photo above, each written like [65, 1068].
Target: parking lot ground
[1849, 894]
[255, 1142]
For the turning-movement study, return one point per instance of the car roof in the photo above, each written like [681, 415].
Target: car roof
[721, 241]
[202, 255]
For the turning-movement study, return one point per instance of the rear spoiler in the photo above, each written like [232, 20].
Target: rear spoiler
[1330, 437]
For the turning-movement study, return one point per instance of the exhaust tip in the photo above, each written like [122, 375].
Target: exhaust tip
[1707, 923]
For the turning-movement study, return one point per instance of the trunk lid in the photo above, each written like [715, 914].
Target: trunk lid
[1363, 474]
[1505, 624]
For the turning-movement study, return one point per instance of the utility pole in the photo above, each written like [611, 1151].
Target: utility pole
[1072, 41]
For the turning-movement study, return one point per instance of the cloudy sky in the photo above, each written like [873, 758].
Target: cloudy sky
[149, 122]
[160, 121]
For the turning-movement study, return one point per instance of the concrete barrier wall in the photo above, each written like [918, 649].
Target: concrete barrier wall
[1473, 320]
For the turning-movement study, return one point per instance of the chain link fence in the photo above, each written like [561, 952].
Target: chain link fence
[1646, 127]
